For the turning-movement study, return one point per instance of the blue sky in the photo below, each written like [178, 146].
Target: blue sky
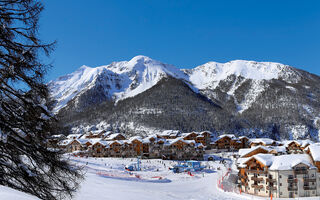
[183, 32]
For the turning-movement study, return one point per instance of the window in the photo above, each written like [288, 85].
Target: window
[280, 193]
[280, 176]
[280, 184]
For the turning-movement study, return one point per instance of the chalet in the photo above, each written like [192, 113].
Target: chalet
[99, 149]
[65, 145]
[180, 149]
[54, 140]
[314, 151]
[74, 136]
[137, 145]
[262, 141]
[94, 134]
[189, 136]
[115, 136]
[277, 150]
[244, 141]
[207, 138]
[115, 148]
[284, 176]
[224, 141]
[170, 134]
[80, 144]
[248, 152]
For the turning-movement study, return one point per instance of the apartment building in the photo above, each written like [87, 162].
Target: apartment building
[283, 176]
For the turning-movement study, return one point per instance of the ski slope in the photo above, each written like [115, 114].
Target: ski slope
[119, 184]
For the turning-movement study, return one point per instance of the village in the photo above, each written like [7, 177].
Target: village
[263, 167]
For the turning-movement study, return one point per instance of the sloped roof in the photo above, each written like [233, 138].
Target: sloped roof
[314, 151]
[283, 162]
[287, 162]
[266, 141]
[245, 151]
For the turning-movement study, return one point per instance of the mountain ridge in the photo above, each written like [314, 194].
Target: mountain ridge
[255, 96]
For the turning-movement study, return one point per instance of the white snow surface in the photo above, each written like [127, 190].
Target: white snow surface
[125, 79]
[106, 179]
[209, 74]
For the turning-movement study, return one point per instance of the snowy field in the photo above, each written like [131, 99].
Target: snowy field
[106, 179]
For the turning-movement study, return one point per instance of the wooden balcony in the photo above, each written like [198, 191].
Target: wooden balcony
[292, 180]
[271, 188]
[271, 180]
[256, 179]
[255, 186]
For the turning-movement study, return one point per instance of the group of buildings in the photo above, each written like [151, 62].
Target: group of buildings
[167, 145]
[280, 169]
[266, 167]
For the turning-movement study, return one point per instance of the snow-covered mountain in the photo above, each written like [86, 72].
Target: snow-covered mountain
[119, 80]
[125, 79]
[253, 95]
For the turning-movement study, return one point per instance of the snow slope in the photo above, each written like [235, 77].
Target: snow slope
[201, 186]
[211, 73]
[125, 79]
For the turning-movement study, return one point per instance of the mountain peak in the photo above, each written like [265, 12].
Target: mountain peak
[140, 58]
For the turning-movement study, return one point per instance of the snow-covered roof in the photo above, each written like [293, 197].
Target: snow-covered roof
[231, 136]
[302, 143]
[241, 162]
[265, 159]
[65, 142]
[170, 132]
[94, 140]
[135, 138]
[107, 133]
[71, 136]
[206, 132]
[279, 149]
[241, 137]
[287, 162]
[245, 151]
[169, 142]
[112, 136]
[282, 162]
[187, 134]
[265, 141]
[314, 151]
[83, 141]
[58, 136]
[286, 143]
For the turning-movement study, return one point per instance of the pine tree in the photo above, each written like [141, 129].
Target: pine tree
[25, 122]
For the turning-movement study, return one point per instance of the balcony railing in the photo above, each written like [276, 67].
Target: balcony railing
[292, 188]
[301, 171]
[256, 171]
[257, 186]
[292, 180]
[256, 179]
[270, 180]
[309, 187]
[309, 179]
[271, 188]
